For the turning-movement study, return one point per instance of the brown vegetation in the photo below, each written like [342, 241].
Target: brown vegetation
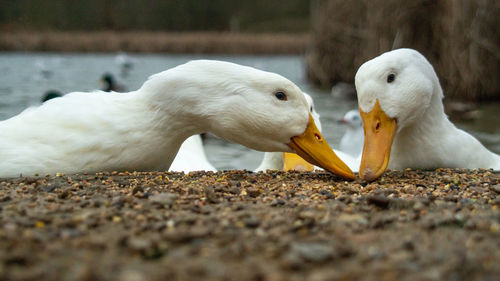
[130, 41]
[460, 38]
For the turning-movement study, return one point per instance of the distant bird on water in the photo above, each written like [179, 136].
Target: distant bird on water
[51, 94]
[352, 141]
[110, 84]
[125, 63]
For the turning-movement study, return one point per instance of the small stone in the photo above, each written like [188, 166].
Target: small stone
[278, 202]
[306, 215]
[253, 192]
[313, 252]
[447, 179]
[252, 222]
[379, 201]
[418, 206]
[495, 188]
[139, 244]
[39, 224]
[352, 218]
[495, 227]
[132, 275]
[210, 195]
[137, 189]
[408, 245]
[65, 194]
[166, 198]
[328, 194]
[50, 187]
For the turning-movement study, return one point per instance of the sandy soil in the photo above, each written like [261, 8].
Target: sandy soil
[238, 225]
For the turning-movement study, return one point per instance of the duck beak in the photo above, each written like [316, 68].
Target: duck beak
[293, 162]
[314, 149]
[379, 133]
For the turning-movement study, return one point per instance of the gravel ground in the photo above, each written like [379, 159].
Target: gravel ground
[239, 225]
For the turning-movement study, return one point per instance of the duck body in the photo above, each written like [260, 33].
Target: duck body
[400, 101]
[143, 130]
[192, 157]
[437, 143]
[94, 135]
[271, 161]
[353, 162]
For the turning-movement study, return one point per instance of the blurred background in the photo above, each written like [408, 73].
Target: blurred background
[71, 45]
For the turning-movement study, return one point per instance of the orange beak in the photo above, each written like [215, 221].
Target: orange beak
[293, 162]
[314, 149]
[380, 130]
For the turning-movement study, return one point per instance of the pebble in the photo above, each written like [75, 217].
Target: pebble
[252, 222]
[312, 251]
[253, 192]
[495, 188]
[167, 199]
[379, 201]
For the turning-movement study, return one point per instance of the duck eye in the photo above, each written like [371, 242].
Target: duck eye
[280, 96]
[311, 109]
[390, 78]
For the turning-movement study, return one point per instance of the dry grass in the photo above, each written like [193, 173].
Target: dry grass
[154, 42]
[460, 38]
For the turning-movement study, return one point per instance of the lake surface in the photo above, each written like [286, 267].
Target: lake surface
[25, 77]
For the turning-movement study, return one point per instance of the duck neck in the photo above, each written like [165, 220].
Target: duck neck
[420, 138]
[174, 115]
[178, 107]
[434, 142]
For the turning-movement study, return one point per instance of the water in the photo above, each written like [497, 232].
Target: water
[25, 77]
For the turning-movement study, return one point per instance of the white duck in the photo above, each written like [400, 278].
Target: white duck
[352, 141]
[400, 101]
[124, 62]
[143, 130]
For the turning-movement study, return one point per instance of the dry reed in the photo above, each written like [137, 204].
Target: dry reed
[154, 42]
[459, 37]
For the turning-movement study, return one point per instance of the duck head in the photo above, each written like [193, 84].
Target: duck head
[352, 119]
[258, 109]
[394, 90]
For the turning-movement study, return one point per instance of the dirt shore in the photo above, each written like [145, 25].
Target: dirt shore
[154, 42]
[238, 225]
